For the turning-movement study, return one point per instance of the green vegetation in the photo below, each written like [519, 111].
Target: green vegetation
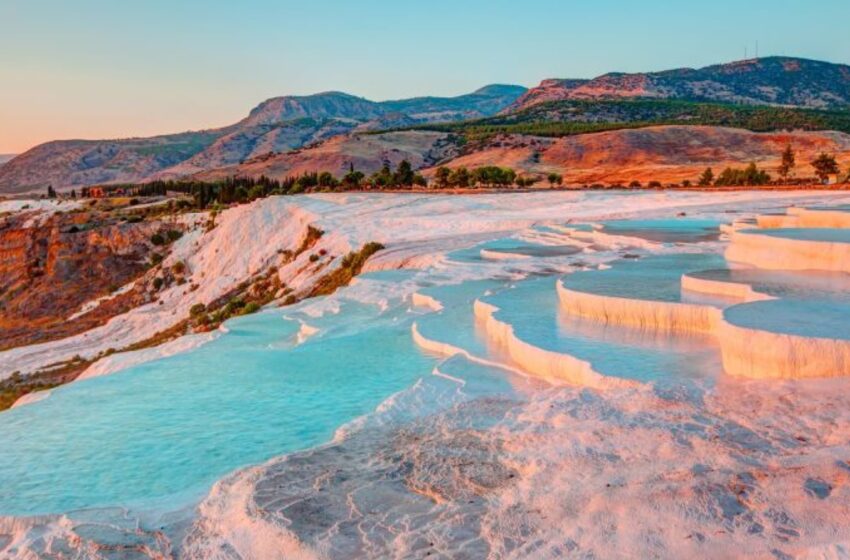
[237, 190]
[351, 265]
[825, 165]
[487, 176]
[707, 178]
[16, 386]
[750, 176]
[567, 118]
[788, 162]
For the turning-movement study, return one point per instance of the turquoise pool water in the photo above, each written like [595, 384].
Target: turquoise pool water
[821, 319]
[656, 278]
[668, 230]
[511, 246]
[532, 309]
[455, 323]
[159, 434]
[811, 284]
[807, 234]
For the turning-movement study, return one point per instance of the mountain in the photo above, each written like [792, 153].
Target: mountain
[776, 80]
[6, 157]
[760, 95]
[276, 125]
[66, 164]
[486, 101]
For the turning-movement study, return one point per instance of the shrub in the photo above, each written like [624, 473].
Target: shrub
[197, 309]
[635, 185]
[157, 239]
[654, 185]
[173, 235]
[156, 258]
[157, 283]
[290, 299]
[252, 307]
[314, 257]
[749, 176]
[179, 267]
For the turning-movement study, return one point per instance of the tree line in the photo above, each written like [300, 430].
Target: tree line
[824, 165]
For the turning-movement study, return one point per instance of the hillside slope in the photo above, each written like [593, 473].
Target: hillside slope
[763, 81]
[276, 125]
[366, 153]
[664, 153]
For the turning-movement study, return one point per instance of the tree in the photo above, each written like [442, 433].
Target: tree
[825, 165]
[749, 176]
[442, 177]
[404, 174]
[353, 178]
[788, 163]
[555, 179]
[50, 192]
[707, 178]
[326, 179]
[459, 178]
[384, 177]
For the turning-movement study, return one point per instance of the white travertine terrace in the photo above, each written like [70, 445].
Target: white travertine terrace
[554, 367]
[820, 218]
[736, 290]
[423, 300]
[661, 315]
[771, 221]
[757, 353]
[745, 349]
[774, 252]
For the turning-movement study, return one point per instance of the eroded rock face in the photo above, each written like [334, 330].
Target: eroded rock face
[51, 266]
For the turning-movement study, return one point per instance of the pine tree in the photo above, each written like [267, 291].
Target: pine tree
[707, 178]
[788, 162]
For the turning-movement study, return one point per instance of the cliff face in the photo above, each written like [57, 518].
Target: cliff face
[51, 266]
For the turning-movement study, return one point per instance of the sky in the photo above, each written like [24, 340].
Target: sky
[121, 68]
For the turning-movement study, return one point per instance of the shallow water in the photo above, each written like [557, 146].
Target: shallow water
[811, 284]
[168, 429]
[811, 318]
[807, 234]
[669, 230]
[533, 310]
[656, 278]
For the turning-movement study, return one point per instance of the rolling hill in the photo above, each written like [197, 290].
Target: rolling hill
[278, 124]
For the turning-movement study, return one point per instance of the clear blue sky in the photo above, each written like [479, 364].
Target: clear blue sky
[98, 68]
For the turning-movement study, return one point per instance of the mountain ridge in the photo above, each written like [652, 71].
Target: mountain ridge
[775, 80]
[276, 124]
[282, 124]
